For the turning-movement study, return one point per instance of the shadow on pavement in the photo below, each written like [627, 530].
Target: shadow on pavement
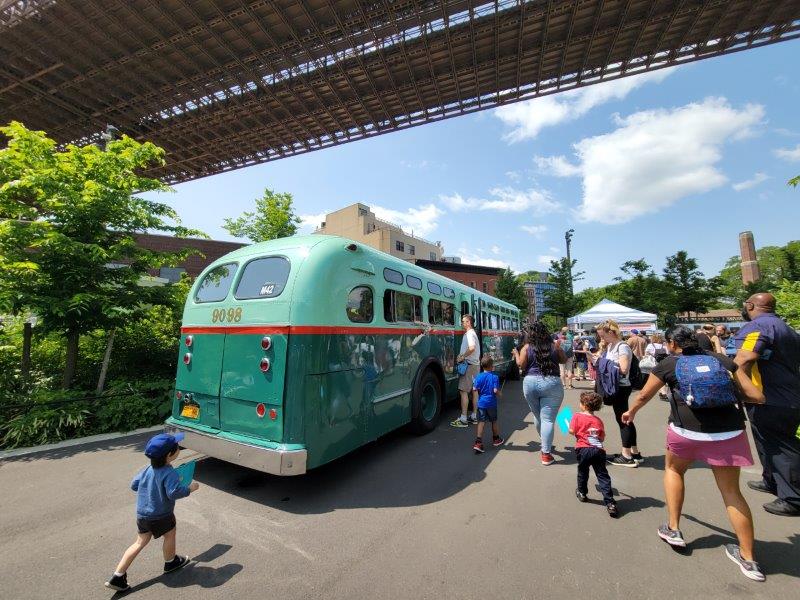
[136, 442]
[398, 469]
[773, 557]
[193, 574]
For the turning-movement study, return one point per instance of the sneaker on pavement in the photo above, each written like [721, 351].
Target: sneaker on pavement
[581, 496]
[673, 537]
[782, 508]
[750, 568]
[473, 419]
[478, 447]
[176, 563]
[459, 423]
[620, 461]
[638, 458]
[612, 510]
[761, 486]
[118, 583]
[547, 459]
[497, 441]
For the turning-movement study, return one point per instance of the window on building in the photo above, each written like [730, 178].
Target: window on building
[399, 306]
[263, 278]
[433, 256]
[393, 276]
[362, 211]
[399, 246]
[216, 284]
[484, 286]
[172, 274]
[414, 282]
[411, 250]
[359, 305]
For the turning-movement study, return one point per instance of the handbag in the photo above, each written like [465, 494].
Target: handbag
[462, 367]
[648, 363]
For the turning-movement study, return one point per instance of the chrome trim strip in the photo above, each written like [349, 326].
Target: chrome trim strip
[267, 460]
[390, 395]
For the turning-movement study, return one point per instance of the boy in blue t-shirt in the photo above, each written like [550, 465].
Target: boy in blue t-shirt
[157, 488]
[487, 384]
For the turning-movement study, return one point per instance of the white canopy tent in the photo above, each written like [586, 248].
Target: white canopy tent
[628, 318]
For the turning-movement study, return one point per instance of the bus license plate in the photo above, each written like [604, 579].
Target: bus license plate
[190, 411]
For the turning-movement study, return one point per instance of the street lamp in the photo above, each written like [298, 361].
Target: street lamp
[568, 238]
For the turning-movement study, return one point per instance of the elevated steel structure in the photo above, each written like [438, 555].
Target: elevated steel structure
[222, 84]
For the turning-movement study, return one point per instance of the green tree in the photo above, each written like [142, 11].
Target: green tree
[686, 289]
[273, 218]
[560, 299]
[788, 298]
[67, 223]
[509, 288]
[587, 298]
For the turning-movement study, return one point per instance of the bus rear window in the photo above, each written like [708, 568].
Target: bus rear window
[263, 278]
[216, 284]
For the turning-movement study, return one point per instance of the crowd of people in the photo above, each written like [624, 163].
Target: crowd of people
[714, 382]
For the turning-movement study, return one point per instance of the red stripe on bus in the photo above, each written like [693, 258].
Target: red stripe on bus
[323, 330]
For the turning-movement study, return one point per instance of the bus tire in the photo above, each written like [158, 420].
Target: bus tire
[426, 403]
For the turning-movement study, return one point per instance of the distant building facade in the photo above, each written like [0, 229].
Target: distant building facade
[194, 264]
[359, 223]
[535, 292]
[483, 279]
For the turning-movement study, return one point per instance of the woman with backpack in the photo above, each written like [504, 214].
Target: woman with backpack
[538, 360]
[706, 423]
[619, 353]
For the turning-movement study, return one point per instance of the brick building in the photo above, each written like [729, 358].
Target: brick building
[193, 265]
[481, 278]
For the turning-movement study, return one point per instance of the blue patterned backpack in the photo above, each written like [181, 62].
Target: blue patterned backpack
[704, 382]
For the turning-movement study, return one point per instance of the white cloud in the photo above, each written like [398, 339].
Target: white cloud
[495, 250]
[554, 249]
[535, 230]
[308, 223]
[545, 259]
[505, 199]
[415, 164]
[420, 221]
[475, 259]
[528, 118]
[791, 154]
[513, 175]
[749, 183]
[556, 165]
[658, 157]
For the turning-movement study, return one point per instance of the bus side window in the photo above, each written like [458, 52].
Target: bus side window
[388, 306]
[484, 323]
[359, 305]
[448, 311]
[399, 306]
[464, 309]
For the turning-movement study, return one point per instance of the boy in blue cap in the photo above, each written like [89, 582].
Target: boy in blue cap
[157, 487]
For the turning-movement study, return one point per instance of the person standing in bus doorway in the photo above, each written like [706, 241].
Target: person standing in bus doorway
[471, 354]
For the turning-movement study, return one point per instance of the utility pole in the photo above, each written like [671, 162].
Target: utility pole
[568, 238]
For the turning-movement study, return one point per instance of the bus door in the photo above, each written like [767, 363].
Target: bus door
[199, 373]
[478, 312]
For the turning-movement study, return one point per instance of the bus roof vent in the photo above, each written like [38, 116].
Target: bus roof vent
[351, 247]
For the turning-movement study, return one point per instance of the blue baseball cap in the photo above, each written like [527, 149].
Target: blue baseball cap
[636, 331]
[162, 444]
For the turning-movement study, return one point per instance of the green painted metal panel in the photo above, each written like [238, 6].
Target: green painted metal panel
[201, 377]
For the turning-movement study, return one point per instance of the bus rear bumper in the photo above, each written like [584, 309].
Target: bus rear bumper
[267, 460]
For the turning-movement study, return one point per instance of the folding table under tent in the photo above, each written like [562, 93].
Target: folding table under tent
[628, 318]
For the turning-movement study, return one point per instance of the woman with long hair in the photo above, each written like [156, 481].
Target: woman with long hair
[620, 353]
[706, 423]
[538, 361]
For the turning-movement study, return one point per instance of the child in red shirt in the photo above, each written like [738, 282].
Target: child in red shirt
[589, 433]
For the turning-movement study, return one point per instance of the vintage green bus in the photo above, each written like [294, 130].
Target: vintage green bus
[297, 351]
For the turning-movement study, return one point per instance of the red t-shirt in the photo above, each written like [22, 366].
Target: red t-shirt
[589, 430]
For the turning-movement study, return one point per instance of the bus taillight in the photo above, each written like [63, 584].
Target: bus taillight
[266, 342]
[273, 414]
[178, 394]
[187, 358]
[189, 339]
[265, 365]
[261, 410]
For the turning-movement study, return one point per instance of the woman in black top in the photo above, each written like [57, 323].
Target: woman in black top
[714, 435]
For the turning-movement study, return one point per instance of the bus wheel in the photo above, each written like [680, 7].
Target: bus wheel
[426, 403]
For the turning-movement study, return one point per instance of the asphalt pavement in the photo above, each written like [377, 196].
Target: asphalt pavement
[404, 517]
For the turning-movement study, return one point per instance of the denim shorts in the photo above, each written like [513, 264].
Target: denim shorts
[487, 414]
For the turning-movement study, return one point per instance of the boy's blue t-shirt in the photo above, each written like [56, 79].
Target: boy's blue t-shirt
[486, 383]
[156, 491]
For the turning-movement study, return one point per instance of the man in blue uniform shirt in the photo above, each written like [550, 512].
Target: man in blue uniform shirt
[768, 355]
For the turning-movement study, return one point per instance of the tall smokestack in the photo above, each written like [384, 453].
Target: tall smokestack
[747, 248]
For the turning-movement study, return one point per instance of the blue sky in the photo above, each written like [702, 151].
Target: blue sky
[680, 159]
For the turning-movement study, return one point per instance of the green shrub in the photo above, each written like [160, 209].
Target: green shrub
[43, 425]
[130, 406]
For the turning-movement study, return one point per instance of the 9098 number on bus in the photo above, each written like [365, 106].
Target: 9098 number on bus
[230, 315]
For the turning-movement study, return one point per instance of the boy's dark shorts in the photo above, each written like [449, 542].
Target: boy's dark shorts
[157, 527]
[487, 414]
